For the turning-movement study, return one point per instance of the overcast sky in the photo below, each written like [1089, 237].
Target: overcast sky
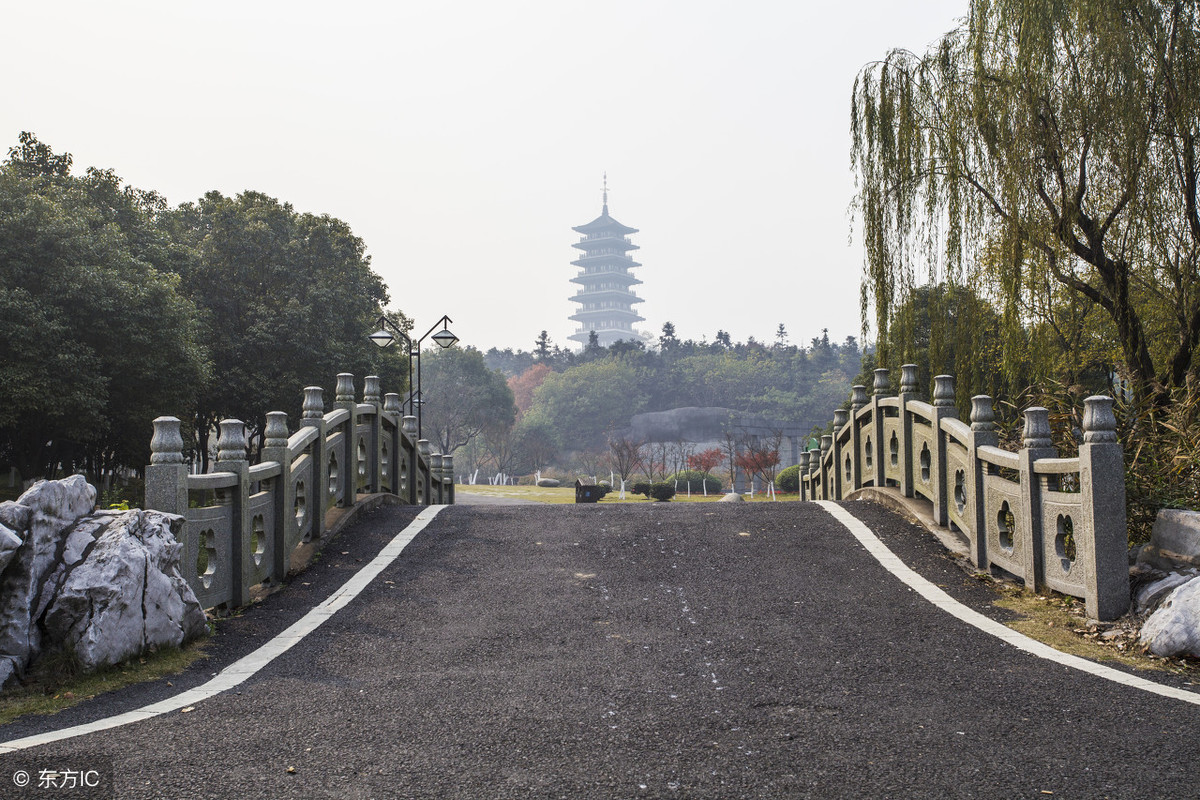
[463, 140]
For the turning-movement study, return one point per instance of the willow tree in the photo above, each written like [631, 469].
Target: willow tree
[1042, 150]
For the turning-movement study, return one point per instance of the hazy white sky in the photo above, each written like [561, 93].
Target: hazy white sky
[463, 140]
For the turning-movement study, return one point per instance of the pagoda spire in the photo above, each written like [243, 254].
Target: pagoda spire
[605, 210]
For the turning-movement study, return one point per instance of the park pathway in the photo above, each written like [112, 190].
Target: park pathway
[679, 650]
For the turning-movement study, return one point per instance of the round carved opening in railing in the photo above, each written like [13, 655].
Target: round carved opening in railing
[894, 450]
[926, 461]
[258, 539]
[960, 491]
[385, 466]
[206, 558]
[1064, 542]
[362, 462]
[403, 476]
[301, 505]
[334, 474]
[849, 468]
[868, 452]
[1007, 524]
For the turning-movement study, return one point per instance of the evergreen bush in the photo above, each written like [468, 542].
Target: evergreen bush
[789, 479]
[662, 491]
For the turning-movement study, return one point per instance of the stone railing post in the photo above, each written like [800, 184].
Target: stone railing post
[448, 479]
[838, 487]
[391, 409]
[275, 448]
[313, 416]
[372, 395]
[166, 475]
[231, 457]
[943, 407]
[409, 429]
[909, 390]
[425, 447]
[804, 475]
[858, 400]
[436, 480]
[826, 446]
[1037, 444]
[344, 398]
[879, 391]
[1102, 497]
[983, 432]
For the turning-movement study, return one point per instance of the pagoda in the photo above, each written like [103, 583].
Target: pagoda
[605, 296]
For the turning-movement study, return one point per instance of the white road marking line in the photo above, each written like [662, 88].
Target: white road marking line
[939, 598]
[240, 670]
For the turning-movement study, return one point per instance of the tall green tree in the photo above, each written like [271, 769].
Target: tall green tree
[95, 338]
[1061, 137]
[286, 300]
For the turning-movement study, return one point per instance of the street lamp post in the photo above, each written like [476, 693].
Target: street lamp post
[383, 337]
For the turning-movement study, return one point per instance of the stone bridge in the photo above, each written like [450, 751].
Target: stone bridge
[657, 650]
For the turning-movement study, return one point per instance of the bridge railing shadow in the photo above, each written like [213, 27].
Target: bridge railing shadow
[244, 522]
[1056, 523]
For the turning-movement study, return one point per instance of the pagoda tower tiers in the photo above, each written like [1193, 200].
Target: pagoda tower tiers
[605, 296]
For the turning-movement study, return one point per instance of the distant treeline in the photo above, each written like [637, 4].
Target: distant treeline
[578, 399]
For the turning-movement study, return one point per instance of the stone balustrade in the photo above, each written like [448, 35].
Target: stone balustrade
[1056, 523]
[243, 521]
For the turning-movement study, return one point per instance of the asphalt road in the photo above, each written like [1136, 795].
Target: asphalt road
[633, 651]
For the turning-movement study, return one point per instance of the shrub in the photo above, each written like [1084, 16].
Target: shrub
[696, 479]
[788, 480]
[662, 491]
[641, 487]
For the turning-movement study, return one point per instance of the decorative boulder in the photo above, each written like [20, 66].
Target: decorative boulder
[732, 497]
[1174, 629]
[106, 586]
[548, 483]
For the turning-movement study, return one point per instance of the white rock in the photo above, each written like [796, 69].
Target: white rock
[127, 596]
[1174, 629]
[1149, 595]
[732, 497]
[107, 585]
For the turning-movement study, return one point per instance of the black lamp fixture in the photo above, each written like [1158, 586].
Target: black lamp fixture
[389, 331]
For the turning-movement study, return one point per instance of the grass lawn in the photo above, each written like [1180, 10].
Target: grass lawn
[566, 494]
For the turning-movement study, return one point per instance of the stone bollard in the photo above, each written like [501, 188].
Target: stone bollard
[826, 446]
[313, 416]
[448, 473]
[943, 407]
[880, 390]
[275, 448]
[858, 401]
[1102, 497]
[348, 458]
[1037, 444]
[842, 476]
[983, 433]
[231, 457]
[166, 476]
[372, 396]
[411, 455]
[909, 391]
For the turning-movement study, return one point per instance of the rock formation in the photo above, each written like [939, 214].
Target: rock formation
[104, 585]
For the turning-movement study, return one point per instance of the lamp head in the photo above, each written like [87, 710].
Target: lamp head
[445, 338]
[382, 338]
